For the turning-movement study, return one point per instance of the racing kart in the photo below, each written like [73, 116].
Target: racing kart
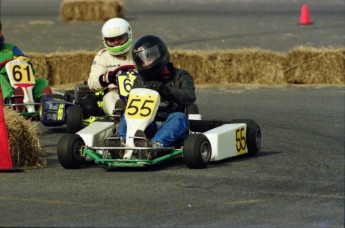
[22, 80]
[208, 140]
[80, 107]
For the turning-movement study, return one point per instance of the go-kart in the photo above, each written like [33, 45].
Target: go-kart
[80, 107]
[22, 80]
[208, 140]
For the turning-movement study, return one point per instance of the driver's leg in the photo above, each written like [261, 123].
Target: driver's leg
[109, 101]
[175, 128]
[7, 90]
[40, 84]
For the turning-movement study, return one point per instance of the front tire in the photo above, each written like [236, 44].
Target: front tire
[197, 151]
[69, 151]
[74, 122]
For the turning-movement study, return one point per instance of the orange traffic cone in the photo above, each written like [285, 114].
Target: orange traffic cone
[5, 155]
[304, 17]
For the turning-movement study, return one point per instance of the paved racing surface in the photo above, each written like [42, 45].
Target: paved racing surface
[297, 180]
[184, 24]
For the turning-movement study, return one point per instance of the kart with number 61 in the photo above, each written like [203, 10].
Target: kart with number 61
[22, 80]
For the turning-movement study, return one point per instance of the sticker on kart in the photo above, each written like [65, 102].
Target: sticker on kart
[20, 73]
[125, 82]
[141, 106]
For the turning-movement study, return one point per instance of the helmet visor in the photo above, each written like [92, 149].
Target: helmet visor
[147, 56]
[116, 41]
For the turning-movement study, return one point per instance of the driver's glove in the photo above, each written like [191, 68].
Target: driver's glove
[108, 78]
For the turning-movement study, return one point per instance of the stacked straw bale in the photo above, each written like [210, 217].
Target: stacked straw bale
[23, 139]
[91, 10]
[227, 67]
[70, 67]
[40, 64]
[301, 65]
[314, 66]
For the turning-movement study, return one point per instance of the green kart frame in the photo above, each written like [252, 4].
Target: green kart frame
[109, 162]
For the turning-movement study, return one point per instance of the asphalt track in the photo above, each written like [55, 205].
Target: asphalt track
[297, 180]
[184, 24]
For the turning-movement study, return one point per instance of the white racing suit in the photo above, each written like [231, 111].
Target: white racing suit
[103, 63]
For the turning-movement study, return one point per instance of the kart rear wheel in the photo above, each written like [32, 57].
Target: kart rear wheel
[69, 151]
[253, 135]
[192, 109]
[74, 121]
[197, 151]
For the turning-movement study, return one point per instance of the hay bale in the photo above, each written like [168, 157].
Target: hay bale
[23, 141]
[252, 66]
[91, 10]
[301, 65]
[232, 66]
[40, 64]
[69, 67]
[305, 65]
[193, 62]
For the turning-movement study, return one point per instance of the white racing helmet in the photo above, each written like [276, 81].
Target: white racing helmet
[117, 36]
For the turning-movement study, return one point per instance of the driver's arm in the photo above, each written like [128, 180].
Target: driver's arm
[98, 68]
[183, 93]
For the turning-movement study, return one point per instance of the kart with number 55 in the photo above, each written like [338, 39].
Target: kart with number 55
[208, 140]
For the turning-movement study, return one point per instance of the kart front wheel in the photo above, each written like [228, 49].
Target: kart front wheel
[197, 151]
[74, 122]
[69, 151]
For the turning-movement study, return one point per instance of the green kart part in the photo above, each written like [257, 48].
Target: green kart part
[109, 162]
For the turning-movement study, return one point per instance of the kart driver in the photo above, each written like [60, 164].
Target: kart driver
[117, 40]
[175, 86]
[10, 52]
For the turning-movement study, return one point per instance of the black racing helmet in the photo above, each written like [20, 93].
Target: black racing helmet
[150, 55]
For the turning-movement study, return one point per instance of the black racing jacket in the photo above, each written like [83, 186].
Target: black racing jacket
[179, 92]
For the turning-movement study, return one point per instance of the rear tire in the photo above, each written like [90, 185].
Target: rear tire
[74, 122]
[69, 151]
[192, 109]
[253, 135]
[197, 151]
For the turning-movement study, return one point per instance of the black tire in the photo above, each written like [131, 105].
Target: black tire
[192, 109]
[43, 101]
[197, 151]
[253, 135]
[69, 151]
[74, 122]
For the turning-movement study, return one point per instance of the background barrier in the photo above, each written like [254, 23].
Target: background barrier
[91, 10]
[302, 65]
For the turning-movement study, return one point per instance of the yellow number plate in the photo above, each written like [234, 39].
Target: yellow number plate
[126, 83]
[241, 141]
[141, 106]
[22, 73]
